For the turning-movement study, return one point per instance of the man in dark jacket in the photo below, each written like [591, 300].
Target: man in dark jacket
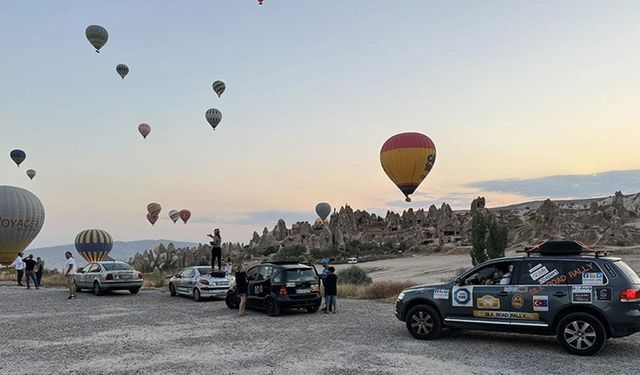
[29, 266]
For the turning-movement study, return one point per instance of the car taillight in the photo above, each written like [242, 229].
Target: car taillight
[283, 291]
[140, 275]
[109, 276]
[630, 295]
[203, 281]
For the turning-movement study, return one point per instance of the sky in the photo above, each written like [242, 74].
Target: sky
[522, 99]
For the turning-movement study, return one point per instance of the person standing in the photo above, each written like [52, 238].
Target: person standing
[39, 270]
[216, 248]
[228, 268]
[323, 277]
[18, 265]
[242, 288]
[69, 273]
[29, 268]
[331, 291]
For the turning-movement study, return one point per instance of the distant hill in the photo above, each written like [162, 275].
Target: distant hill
[122, 250]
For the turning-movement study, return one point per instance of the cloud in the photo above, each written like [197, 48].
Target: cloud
[566, 186]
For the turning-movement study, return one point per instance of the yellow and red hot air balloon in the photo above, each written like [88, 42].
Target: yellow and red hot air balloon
[407, 158]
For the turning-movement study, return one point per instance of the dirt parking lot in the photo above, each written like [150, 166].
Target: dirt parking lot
[153, 333]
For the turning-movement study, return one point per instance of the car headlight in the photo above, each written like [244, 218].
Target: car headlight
[401, 296]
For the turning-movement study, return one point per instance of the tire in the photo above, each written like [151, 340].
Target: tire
[77, 288]
[271, 307]
[313, 309]
[232, 301]
[96, 289]
[172, 290]
[134, 290]
[196, 295]
[581, 334]
[424, 322]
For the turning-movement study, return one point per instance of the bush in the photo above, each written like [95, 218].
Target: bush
[155, 280]
[354, 275]
[388, 290]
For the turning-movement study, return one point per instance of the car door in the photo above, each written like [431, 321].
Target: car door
[184, 283]
[541, 290]
[94, 272]
[81, 274]
[254, 290]
[478, 298]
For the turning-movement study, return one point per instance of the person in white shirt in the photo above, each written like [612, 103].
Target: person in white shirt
[69, 273]
[18, 265]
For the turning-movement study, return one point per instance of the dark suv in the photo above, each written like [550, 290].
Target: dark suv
[279, 286]
[558, 288]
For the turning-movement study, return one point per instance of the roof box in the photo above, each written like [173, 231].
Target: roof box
[559, 248]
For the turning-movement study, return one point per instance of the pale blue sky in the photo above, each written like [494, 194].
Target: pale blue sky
[505, 89]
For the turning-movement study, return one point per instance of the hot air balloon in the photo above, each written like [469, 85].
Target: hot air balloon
[31, 173]
[123, 70]
[154, 209]
[152, 218]
[97, 36]
[93, 244]
[17, 156]
[407, 158]
[214, 117]
[323, 209]
[174, 215]
[218, 87]
[144, 129]
[185, 215]
[21, 218]
[260, 2]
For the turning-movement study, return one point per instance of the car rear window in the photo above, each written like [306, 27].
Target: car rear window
[300, 275]
[631, 274]
[117, 267]
[204, 270]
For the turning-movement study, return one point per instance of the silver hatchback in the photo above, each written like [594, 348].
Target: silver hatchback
[108, 275]
[199, 283]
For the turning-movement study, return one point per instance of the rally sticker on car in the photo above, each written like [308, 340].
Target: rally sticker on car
[540, 303]
[517, 301]
[603, 294]
[592, 278]
[441, 294]
[488, 302]
[581, 294]
[548, 276]
[462, 296]
[538, 273]
[505, 315]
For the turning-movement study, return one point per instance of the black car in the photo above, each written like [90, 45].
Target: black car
[558, 288]
[278, 286]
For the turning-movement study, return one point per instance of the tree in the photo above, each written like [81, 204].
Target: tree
[497, 238]
[478, 235]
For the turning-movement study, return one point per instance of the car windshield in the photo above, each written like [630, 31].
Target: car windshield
[300, 275]
[117, 267]
[204, 270]
[631, 274]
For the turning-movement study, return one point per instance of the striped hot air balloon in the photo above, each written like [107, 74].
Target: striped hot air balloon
[154, 208]
[97, 36]
[174, 215]
[407, 158]
[21, 218]
[213, 117]
[94, 244]
[219, 87]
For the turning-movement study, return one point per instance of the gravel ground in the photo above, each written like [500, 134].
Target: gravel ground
[153, 333]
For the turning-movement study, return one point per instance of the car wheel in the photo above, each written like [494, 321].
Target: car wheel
[75, 284]
[313, 309]
[96, 289]
[423, 322]
[232, 301]
[271, 307]
[134, 290]
[172, 290]
[581, 334]
[196, 295]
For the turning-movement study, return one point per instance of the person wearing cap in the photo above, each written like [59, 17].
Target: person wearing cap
[216, 248]
[324, 276]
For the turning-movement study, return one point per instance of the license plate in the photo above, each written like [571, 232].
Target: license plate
[303, 291]
[125, 276]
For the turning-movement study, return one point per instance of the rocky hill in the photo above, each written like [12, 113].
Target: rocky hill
[609, 221]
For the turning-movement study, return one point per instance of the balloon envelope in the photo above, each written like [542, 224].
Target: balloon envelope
[154, 208]
[185, 215]
[97, 36]
[93, 244]
[174, 215]
[122, 70]
[219, 87]
[214, 117]
[21, 218]
[407, 158]
[152, 218]
[31, 173]
[17, 156]
[323, 209]
[144, 129]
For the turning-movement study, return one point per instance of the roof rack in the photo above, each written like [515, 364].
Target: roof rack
[563, 248]
[283, 262]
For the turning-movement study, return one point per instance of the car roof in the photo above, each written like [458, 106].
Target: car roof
[555, 257]
[286, 265]
[110, 262]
